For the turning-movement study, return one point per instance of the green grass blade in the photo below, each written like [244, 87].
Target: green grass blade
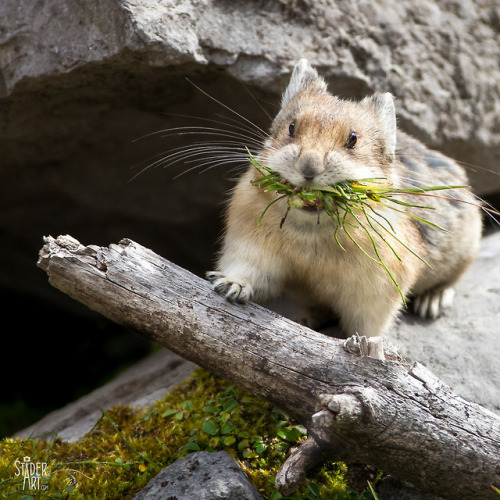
[393, 234]
[267, 208]
[416, 217]
[379, 258]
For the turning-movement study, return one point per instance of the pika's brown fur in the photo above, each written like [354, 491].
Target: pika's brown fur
[320, 139]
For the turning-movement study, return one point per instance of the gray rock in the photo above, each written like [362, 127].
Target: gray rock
[440, 60]
[139, 386]
[202, 475]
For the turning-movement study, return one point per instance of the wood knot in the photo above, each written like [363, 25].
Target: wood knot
[365, 346]
[344, 407]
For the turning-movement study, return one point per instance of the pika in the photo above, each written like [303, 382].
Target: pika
[319, 139]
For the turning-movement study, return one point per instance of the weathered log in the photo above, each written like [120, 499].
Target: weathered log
[383, 412]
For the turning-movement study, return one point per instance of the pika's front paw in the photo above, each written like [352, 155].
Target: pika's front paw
[431, 305]
[234, 290]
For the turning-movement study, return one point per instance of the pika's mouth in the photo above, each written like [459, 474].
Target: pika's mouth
[309, 201]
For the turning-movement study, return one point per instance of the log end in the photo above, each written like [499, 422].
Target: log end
[53, 246]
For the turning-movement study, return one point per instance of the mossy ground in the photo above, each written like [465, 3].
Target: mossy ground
[127, 447]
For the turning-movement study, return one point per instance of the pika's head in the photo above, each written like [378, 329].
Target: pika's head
[319, 139]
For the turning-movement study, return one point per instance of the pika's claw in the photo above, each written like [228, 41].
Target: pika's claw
[432, 304]
[233, 290]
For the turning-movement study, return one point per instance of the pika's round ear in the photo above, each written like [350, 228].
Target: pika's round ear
[303, 76]
[383, 104]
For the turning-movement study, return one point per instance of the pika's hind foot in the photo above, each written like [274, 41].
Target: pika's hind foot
[432, 304]
[234, 290]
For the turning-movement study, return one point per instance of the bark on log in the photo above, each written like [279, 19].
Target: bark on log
[382, 412]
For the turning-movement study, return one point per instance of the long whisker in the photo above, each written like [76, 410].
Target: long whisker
[257, 102]
[235, 124]
[254, 130]
[190, 155]
[201, 131]
[193, 154]
[237, 136]
[225, 107]
[176, 156]
[215, 162]
[181, 131]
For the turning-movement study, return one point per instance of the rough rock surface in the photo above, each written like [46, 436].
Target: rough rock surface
[439, 58]
[139, 386]
[202, 475]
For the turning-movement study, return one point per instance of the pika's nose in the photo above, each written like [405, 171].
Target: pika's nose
[310, 165]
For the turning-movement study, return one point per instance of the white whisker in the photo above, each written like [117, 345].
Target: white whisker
[235, 124]
[202, 131]
[215, 162]
[228, 108]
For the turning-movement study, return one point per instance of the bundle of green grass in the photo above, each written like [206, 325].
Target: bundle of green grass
[350, 204]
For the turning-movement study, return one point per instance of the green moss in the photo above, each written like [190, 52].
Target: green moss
[127, 447]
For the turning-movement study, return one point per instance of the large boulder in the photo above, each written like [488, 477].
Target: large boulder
[440, 59]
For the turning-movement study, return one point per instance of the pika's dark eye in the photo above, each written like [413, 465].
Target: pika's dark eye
[291, 129]
[351, 141]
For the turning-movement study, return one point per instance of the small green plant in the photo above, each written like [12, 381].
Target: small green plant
[350, 204]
